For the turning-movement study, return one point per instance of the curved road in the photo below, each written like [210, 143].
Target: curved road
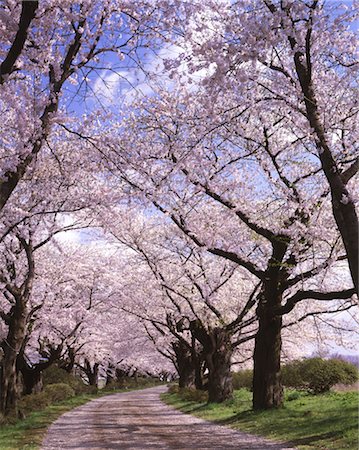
[140, 420]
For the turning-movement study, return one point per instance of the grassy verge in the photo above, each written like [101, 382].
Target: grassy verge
[326, 421]
[29, 433]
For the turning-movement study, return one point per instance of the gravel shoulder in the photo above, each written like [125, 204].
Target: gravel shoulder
[140, 420]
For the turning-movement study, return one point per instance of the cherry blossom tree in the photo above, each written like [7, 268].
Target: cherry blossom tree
[49, 52]
[78, 316]
[199, 171]
[253, 114]
[30, 220]
[202, 307]
[292, 57]
[243, 151]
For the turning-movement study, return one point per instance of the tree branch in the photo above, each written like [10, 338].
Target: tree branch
[28, 12]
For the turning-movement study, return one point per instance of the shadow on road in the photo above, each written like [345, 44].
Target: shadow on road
[138, 421]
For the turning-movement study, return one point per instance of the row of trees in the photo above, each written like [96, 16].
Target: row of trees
[255, 163]
[224, 200]
[49, 51]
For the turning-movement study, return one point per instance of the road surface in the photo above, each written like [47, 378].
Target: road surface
[139, 420]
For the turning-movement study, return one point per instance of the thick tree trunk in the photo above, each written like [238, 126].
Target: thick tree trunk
[185, 365]
[267, 386]
[32, 381]
[8, 390]
[92, 373]
[68, 363]
[220, 386]
[217, 351]
[199, 369]
[110, 374]
[32, 373]
[11, 347]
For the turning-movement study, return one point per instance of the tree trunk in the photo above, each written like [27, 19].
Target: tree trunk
[32, 381]
[68, 363]
[267, 385]
[199, 369]
[110, 374]
[32, 373]
[91, 373]
[185, 365]
[217, 351]
[220, 386]
[11, 347]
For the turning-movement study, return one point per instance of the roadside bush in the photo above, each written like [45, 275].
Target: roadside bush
[173, 389]
[132, 383]
[193, 395]
[52, 393]
[318, 375]
[292, 375]
[55, 375]
[58, 392]
[243, 379]
[294, 395]
[349, 372]
[33, 402]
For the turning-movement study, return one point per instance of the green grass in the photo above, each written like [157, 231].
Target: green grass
[29, 433]
[326, 421]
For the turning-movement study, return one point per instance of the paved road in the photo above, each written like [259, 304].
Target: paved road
[138, 420]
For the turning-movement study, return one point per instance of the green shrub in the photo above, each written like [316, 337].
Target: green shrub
[193, 395]
[59, 392]
[173, 389]
[131, 383]
[318, 375]
[349, 372]
[294, 395]
[55, 375]
[33, 402]
[243, 379]
[292, 376]
[51, 394]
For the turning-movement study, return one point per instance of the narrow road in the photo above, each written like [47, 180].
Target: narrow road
[140, 420]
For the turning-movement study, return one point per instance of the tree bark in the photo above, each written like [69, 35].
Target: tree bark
[32, 373]
[11, 347]
[32, 381]
[91, 373]
[28, 12]
[185, 365]
[68, 362]
[199, 369]
[110, 374]
[220, 385]
[217, 351]
[267, 386]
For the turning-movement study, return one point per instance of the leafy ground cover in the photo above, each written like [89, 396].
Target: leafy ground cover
[325, 421]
